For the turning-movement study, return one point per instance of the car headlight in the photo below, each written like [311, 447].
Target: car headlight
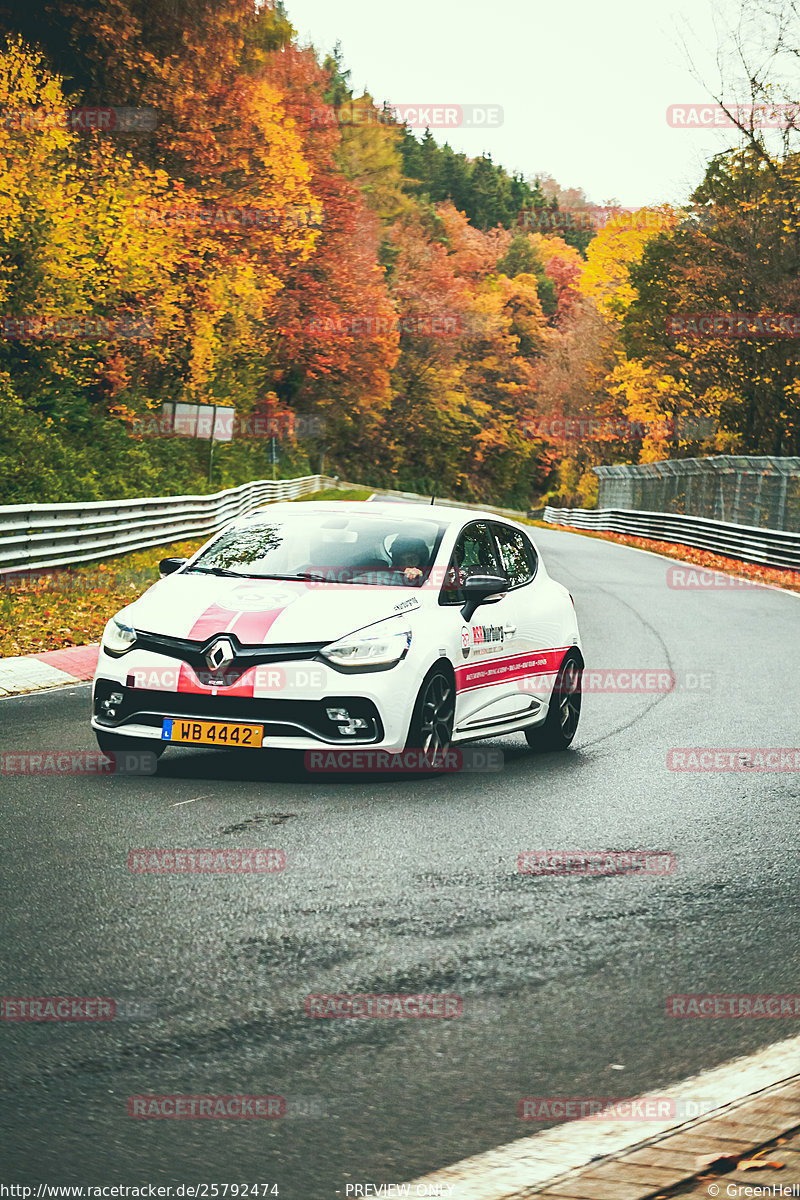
[369, 649]
[118, 638]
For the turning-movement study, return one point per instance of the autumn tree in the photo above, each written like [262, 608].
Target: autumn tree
[743, 256]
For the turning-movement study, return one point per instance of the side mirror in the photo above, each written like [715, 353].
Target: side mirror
[168, 566]
[482, 589]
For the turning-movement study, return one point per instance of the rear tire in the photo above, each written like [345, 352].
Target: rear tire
[561, 723]
[114, 743]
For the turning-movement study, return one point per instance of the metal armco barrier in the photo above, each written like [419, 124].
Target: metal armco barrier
[769, 547]
[37, 536]
[33, 536]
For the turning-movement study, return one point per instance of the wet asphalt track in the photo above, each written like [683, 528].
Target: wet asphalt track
[404, 886]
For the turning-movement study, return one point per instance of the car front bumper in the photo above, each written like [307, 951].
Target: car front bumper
[290, 700]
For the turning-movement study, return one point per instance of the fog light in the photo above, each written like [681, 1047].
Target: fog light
[109, 706]
[346, 723]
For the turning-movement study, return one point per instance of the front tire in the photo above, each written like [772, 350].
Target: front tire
[431, 730]
[563, 714]
[115, 743]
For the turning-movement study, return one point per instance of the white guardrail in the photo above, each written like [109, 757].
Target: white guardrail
[37, 536]
[33, 536]
[749, 543]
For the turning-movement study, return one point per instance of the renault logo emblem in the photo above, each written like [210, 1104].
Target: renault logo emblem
[220, 654]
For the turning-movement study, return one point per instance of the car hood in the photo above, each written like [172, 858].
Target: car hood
[266, 612]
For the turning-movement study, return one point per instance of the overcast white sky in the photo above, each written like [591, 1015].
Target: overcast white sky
[584, 85]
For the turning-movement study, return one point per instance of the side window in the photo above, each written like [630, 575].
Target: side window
[474, 554]
[517, 553]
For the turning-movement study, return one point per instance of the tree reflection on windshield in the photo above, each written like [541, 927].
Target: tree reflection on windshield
[346, 548]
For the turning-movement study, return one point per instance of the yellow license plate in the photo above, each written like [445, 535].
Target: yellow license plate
[211, 733]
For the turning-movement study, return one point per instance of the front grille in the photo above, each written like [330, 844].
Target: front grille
[194, 653]
[280, 717]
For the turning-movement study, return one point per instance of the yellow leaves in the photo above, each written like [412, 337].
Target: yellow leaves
[33, 134]
[104, 241]
[85, 246]
[369, 155]
[615, 248]
[523, 311]
[665, 409]
[555, 247]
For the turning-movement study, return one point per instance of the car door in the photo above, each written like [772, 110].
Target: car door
[535, 609]
[485, 692]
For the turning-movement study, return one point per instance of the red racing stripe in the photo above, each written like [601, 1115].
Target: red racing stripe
[489, 671]
[251, 628]
[188, 682]
[215, 619]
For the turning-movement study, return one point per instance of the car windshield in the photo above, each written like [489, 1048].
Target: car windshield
[347, 548]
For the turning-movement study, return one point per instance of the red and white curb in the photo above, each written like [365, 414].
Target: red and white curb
[527, 1165]
[51, 668]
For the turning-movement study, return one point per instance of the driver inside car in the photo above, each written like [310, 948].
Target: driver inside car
[409, 556]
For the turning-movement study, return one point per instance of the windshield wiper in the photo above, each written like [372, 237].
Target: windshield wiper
[218, 571]
[302, 575]
[299, 575]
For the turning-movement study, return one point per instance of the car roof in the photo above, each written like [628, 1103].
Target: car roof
[416, 510]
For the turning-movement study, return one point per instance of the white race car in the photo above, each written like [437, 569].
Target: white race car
[343, 624]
